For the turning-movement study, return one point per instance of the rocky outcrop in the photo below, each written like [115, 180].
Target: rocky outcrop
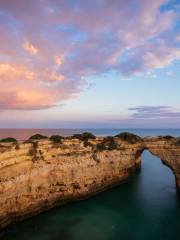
[38, 175]
[168, 150]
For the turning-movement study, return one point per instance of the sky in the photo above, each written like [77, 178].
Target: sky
[90, 64]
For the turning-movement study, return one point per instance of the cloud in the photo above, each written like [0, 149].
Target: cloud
[48, 48]
[58, 59]
[151, 56]
[21, 87]
[30, 48]
[154, 112]
[161, 57]
[169, 73]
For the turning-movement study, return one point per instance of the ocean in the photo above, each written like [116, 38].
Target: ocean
[23, 134]
[145, 208]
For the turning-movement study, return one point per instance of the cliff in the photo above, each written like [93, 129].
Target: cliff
[168, 150]
[37, 175]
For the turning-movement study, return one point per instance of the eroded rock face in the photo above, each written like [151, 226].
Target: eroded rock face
[168, 150]
[37, 176]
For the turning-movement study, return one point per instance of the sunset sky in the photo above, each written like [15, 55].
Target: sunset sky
[89, 63]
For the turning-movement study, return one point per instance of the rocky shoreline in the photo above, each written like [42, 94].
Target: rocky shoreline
[40, 173]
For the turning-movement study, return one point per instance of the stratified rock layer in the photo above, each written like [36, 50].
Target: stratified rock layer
[168, 150]
[39, 175]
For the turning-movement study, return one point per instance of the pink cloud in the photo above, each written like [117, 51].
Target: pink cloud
[29, 47]
[22, 88]
[48, 48]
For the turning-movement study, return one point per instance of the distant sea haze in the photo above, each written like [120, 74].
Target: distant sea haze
[23, 134]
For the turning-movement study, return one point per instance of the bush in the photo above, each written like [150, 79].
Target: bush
[178, 141]
[88, 144]
[108, 143]
[9, 139]
[56, 138]
[111, 144]
[167, 137]
[37, 137]
[129, 137]
[84, 136]
[100, 147]
[33, 151]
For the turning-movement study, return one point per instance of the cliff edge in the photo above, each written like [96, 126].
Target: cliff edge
[36, 175]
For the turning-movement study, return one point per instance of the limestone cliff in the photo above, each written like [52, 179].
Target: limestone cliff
[38, 175]
[168, 150]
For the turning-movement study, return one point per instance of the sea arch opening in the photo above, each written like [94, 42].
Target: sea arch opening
[156, 178]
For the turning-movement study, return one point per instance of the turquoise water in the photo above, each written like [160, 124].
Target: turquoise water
[147, 207]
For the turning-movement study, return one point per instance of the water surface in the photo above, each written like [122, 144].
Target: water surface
[23, 134]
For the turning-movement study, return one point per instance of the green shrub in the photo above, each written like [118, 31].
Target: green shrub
[33, 151]
[56, 138]
[9, 139]
[129, 137]
[88, 144]
[84, 136]
[37, 137]
[100, 147]
[111, 144]
[108, 143]
[178, 141]
[167, 137]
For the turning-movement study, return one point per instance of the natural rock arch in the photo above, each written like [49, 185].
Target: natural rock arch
[166, 151]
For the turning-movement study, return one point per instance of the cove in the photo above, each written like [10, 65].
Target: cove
[145, 208]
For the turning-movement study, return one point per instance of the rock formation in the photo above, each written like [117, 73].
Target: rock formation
[37, 175]
[168, 150]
